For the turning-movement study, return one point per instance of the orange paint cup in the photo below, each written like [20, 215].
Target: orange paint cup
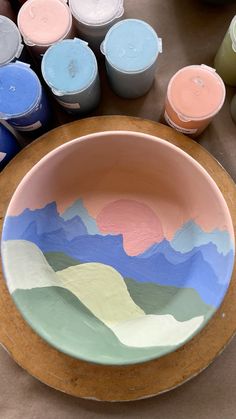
[195, 95]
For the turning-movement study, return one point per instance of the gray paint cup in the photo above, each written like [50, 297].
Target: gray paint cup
[11, 46]
[131, 48]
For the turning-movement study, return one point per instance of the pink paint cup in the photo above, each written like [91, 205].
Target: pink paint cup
[195, 95]
[43, 23]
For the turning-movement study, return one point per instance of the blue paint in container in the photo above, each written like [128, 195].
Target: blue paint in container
[22, 100]
[131, 48]
[8, 146]
[70, 70]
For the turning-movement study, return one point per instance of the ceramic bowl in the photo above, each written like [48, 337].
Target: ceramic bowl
[117, 247]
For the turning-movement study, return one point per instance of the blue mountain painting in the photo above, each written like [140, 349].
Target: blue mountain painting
[203, 268]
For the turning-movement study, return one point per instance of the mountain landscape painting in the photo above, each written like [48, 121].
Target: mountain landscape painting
[113, 285]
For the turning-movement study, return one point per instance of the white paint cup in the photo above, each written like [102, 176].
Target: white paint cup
[93, 18]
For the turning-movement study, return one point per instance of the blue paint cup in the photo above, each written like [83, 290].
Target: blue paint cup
[22, 100]
[131, 48]
[8, 146]
[70, 70]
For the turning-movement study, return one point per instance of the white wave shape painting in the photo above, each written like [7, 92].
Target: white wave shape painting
[102, 290]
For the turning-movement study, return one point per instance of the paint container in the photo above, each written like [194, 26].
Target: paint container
[8, 146]
[225, 60]
[22, 101]
[43, 23]
[131, 48]
[11, 46]
[70, 70]
[195, 95]
[93, 18]
[233, 108]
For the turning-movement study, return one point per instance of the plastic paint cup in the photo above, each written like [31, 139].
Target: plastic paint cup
[43, 23]
[93, 18]
[131, 48]
[225, 60]
[70, 70]
[195, 95]
[10, 41]
[22, 100]
[233, 108]
[8, 146]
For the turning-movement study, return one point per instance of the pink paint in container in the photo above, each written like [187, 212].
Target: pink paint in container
[43, 23]
[195, 95]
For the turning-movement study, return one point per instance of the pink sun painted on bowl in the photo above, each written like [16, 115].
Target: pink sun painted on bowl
[138, 224]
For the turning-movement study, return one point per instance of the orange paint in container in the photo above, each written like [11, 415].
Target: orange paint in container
[195, 95]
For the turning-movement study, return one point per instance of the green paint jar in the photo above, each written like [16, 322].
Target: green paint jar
[225, 60]
[233, 108]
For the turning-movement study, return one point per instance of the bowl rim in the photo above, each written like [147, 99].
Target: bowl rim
[144, 136]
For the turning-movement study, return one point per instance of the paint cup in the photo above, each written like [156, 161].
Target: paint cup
[43, 23]
[22, 101]
[195, 95]
[8, 146]
[70, 70]
[131, 48]
[93, 18]
[225, 60]
[11, 46]
[233, 108]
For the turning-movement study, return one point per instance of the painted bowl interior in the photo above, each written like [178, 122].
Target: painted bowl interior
[117, 248]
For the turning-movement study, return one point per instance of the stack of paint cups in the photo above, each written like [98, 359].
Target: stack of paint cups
[131, 48]
[195, 95]
[43, 23]
[70, 70]
[225, 60]
[93, 18]
[22, 101]
[8, 146]
[11, 46]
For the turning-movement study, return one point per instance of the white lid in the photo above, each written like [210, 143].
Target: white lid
[96, 12]
[232, 31]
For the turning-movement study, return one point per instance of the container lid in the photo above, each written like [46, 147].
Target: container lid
[20, 90]
[69, 66]
[131, 45]
[10, 41]
[96, 12]
[232, 31]
[43, 22]
[196, 92]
